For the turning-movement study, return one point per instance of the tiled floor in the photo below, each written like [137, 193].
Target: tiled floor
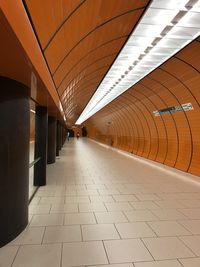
[101, 208]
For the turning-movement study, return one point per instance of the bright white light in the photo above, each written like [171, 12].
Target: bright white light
[169, 4]
[60, 106]
[166, 27]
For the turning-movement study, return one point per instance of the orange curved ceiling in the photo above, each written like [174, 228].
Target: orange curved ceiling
[80, 40]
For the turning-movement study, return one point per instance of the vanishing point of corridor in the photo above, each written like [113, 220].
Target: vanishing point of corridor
[100, 207]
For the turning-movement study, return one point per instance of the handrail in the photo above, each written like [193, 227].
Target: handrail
[33, 162]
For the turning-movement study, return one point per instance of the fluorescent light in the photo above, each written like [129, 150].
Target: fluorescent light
[169, 4]
[166, 27]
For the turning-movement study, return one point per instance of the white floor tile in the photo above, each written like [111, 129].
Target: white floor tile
[127, 191]
[193, 242]
[38, 256]
[95, 186]
[30, 216]
[64, 208]
[121, 251]
[121, 198]
[31, 235]
[56, 234]
[70, 193]
[190, 262]
[83, 253]
[47, 220]
[35, 200]
[99, 232]
[147, 197]
[118, 206]
[191, 213]
[51, 200]
[110, 217]
[169, 214]
[168, 228]
[108, 191]
[140, 215]
[134, 230]
[71, 199]
[116, 265]
[165, 263]
[164, 248]
[44, 193]
[169, 204]
[87, 192]
[192, 225]
[39, 209]
[92, 207]
[179, 196]
[101, 199]
[190, 203]
[140, 205]
[79, 218]
[7, 255]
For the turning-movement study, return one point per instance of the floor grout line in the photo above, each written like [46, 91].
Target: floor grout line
[15, 255]
[106, 252]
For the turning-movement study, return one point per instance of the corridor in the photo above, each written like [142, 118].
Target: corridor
[100, 207]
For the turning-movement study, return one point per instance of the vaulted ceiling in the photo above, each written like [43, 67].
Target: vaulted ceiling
[80, 40]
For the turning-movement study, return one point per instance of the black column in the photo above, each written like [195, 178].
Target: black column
[41, 125]
[51, 149]
[64, 134]
[14, 158]
[58, 139]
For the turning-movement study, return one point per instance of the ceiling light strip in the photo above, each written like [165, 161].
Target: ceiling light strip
[165, 28]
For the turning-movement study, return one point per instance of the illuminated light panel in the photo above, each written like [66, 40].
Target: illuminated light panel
[62, 111]
[33, 111]
[166, 27]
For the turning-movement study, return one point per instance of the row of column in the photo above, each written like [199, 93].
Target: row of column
[49, 139]
[14, 154]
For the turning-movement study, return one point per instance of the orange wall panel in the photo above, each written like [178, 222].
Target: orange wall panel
[18, 20]
[172, 139]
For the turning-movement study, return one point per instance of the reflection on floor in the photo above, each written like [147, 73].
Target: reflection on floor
[102, 208]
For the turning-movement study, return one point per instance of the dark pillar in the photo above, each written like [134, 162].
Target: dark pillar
[41, 124]
[57, 139]
[63, 134]
[60, 137]
[14, 158]
[51, 150]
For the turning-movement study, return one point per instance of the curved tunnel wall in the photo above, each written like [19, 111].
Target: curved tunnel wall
[128, 123]
[78, 48]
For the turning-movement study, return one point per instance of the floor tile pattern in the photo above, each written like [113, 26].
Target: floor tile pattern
[103, 209]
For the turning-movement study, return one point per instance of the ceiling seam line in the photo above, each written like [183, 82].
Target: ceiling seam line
[37, 38]
[63, 22]
[93, 30]
[121, 37]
